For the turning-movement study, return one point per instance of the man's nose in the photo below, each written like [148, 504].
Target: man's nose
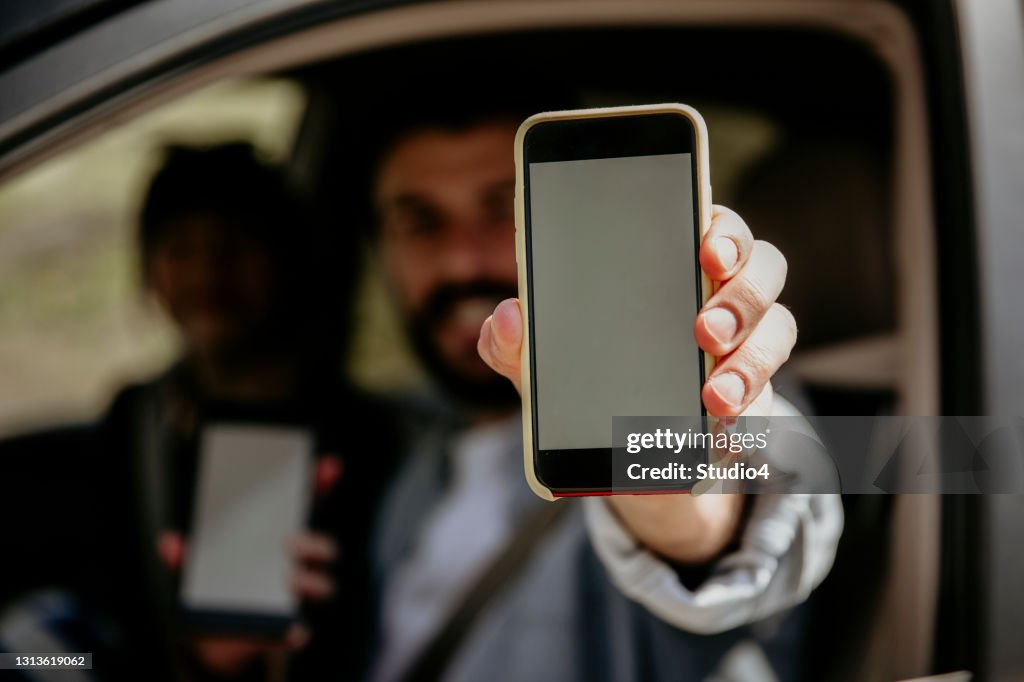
[465, 251]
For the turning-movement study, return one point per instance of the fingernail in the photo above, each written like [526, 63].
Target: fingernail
[726, 251]
[720, 323]
[730, 387]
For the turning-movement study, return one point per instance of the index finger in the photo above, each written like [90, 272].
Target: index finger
[313, 548]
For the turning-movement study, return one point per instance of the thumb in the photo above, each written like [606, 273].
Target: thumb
[501, 340]
[329, 470]
[170, 547]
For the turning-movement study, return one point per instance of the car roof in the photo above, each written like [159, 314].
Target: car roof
[69, 55]
[30, 27]
[64, 58]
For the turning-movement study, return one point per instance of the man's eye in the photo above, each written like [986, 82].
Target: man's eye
[500, 208]
[500, 214]
[419, 222]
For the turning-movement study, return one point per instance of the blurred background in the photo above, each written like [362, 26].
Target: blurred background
[75, 323]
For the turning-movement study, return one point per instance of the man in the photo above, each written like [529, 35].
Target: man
[442, 196]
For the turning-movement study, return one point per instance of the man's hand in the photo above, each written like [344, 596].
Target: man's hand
[312, 553]
[749, 333]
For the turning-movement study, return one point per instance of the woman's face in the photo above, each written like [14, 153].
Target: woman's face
[214, 280]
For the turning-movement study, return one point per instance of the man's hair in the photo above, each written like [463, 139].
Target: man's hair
[226, 181]
[369, 135]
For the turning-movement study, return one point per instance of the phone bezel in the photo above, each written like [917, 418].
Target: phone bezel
[635, 132]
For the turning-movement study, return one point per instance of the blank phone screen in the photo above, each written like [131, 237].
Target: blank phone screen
[614, 295]
[252, 497]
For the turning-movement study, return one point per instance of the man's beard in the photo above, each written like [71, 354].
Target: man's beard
[492, 391]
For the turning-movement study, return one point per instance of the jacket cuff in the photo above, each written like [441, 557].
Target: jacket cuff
[786, 549]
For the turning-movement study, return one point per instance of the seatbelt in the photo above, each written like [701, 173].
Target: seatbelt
[431, 663]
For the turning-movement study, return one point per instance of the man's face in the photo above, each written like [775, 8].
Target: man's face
[445, 209]
[214, 280]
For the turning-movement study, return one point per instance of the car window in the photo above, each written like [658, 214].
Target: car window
[73, 323]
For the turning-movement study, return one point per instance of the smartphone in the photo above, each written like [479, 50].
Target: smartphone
[611, 206]
[253, 492]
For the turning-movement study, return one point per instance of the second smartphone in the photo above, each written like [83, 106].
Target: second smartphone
[611, 207]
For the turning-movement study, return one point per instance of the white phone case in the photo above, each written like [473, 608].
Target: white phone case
[704, 210]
